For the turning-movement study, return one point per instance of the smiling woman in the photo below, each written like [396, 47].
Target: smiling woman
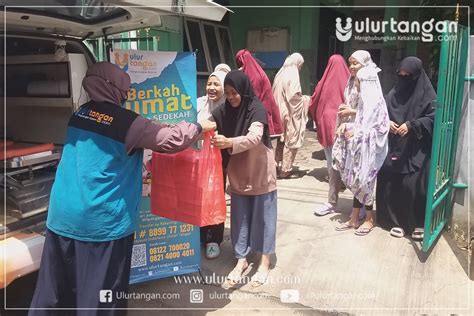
[213, 235]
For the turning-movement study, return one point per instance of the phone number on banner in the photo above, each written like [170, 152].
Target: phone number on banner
[171, 230]
[172, 251]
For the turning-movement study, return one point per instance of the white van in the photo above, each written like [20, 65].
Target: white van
[45, 62]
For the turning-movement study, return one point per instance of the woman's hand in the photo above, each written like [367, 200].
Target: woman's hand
[345, 110]
[221, 142]
[348, 133]
[403, 130]
[341, 130]
[207, 125]
[394, 127]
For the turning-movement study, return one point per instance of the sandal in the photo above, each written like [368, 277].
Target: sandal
[418, 234]
[259, 278]
[362, 231]
[212, 250]
[346, 226]
[397, 232]
[324, 209]
[234, 277]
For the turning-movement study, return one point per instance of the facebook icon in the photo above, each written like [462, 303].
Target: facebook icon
[105, 296]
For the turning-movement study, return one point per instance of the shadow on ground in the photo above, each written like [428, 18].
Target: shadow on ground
[321, 174]
[318, 155]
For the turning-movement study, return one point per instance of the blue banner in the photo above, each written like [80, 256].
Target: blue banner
[163, 89]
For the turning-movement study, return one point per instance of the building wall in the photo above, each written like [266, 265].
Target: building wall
[166, 41]
[301, 22]
[310, 27]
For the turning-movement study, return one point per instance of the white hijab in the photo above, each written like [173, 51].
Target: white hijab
[206, 106]
[369, 70]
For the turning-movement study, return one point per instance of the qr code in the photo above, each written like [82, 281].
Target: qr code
[139, 255]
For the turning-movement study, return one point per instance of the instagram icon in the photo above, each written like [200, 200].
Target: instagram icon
[196, 296]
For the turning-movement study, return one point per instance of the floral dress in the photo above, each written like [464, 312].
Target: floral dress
[359, 158]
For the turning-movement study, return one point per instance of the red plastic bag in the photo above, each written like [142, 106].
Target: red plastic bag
[189, 186]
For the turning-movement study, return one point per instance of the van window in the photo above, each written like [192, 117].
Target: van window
[20, 46]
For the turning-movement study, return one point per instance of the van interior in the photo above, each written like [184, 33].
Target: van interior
[40, 90]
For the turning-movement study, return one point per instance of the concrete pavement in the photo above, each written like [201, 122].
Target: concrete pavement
[319, 271]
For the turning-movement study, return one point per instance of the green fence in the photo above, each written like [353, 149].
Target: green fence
[452, 70]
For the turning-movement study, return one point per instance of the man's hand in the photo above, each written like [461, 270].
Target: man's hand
[393, 127]
[207, 125]
[345, 110]
[222, 142]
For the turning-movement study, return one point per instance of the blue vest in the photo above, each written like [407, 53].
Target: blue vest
[97, 189]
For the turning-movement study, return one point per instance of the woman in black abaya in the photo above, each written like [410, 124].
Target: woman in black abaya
[402, 181]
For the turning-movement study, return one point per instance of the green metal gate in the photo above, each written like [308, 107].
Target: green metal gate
[452, 70]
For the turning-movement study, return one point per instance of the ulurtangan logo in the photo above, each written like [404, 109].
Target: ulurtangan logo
[344, 33]
[122, 62]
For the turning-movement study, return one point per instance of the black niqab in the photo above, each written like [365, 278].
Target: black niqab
[413, 95]
[411, 100]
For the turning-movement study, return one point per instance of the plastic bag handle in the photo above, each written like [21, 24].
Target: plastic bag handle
[207, 139]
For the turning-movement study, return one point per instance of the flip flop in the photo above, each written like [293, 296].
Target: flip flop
[397, 232]
[234, 277]
[345, 226]
[418, 234]
[324, 209]
[259, 278]
[362, 231]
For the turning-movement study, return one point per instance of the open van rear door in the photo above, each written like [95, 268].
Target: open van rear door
[94, 18]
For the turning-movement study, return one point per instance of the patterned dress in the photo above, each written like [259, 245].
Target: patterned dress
[359, 158]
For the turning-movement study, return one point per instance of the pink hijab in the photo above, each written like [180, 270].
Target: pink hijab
[327, 96]
[262, 88]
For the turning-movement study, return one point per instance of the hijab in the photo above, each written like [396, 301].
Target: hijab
[293, 105]
[106, 82]
[222, 67]
[327, 97]
[412, 99]
[293, 62]
[369, 70]
[262, 88]
[205, 105]
[234, 122]
[412, 95]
